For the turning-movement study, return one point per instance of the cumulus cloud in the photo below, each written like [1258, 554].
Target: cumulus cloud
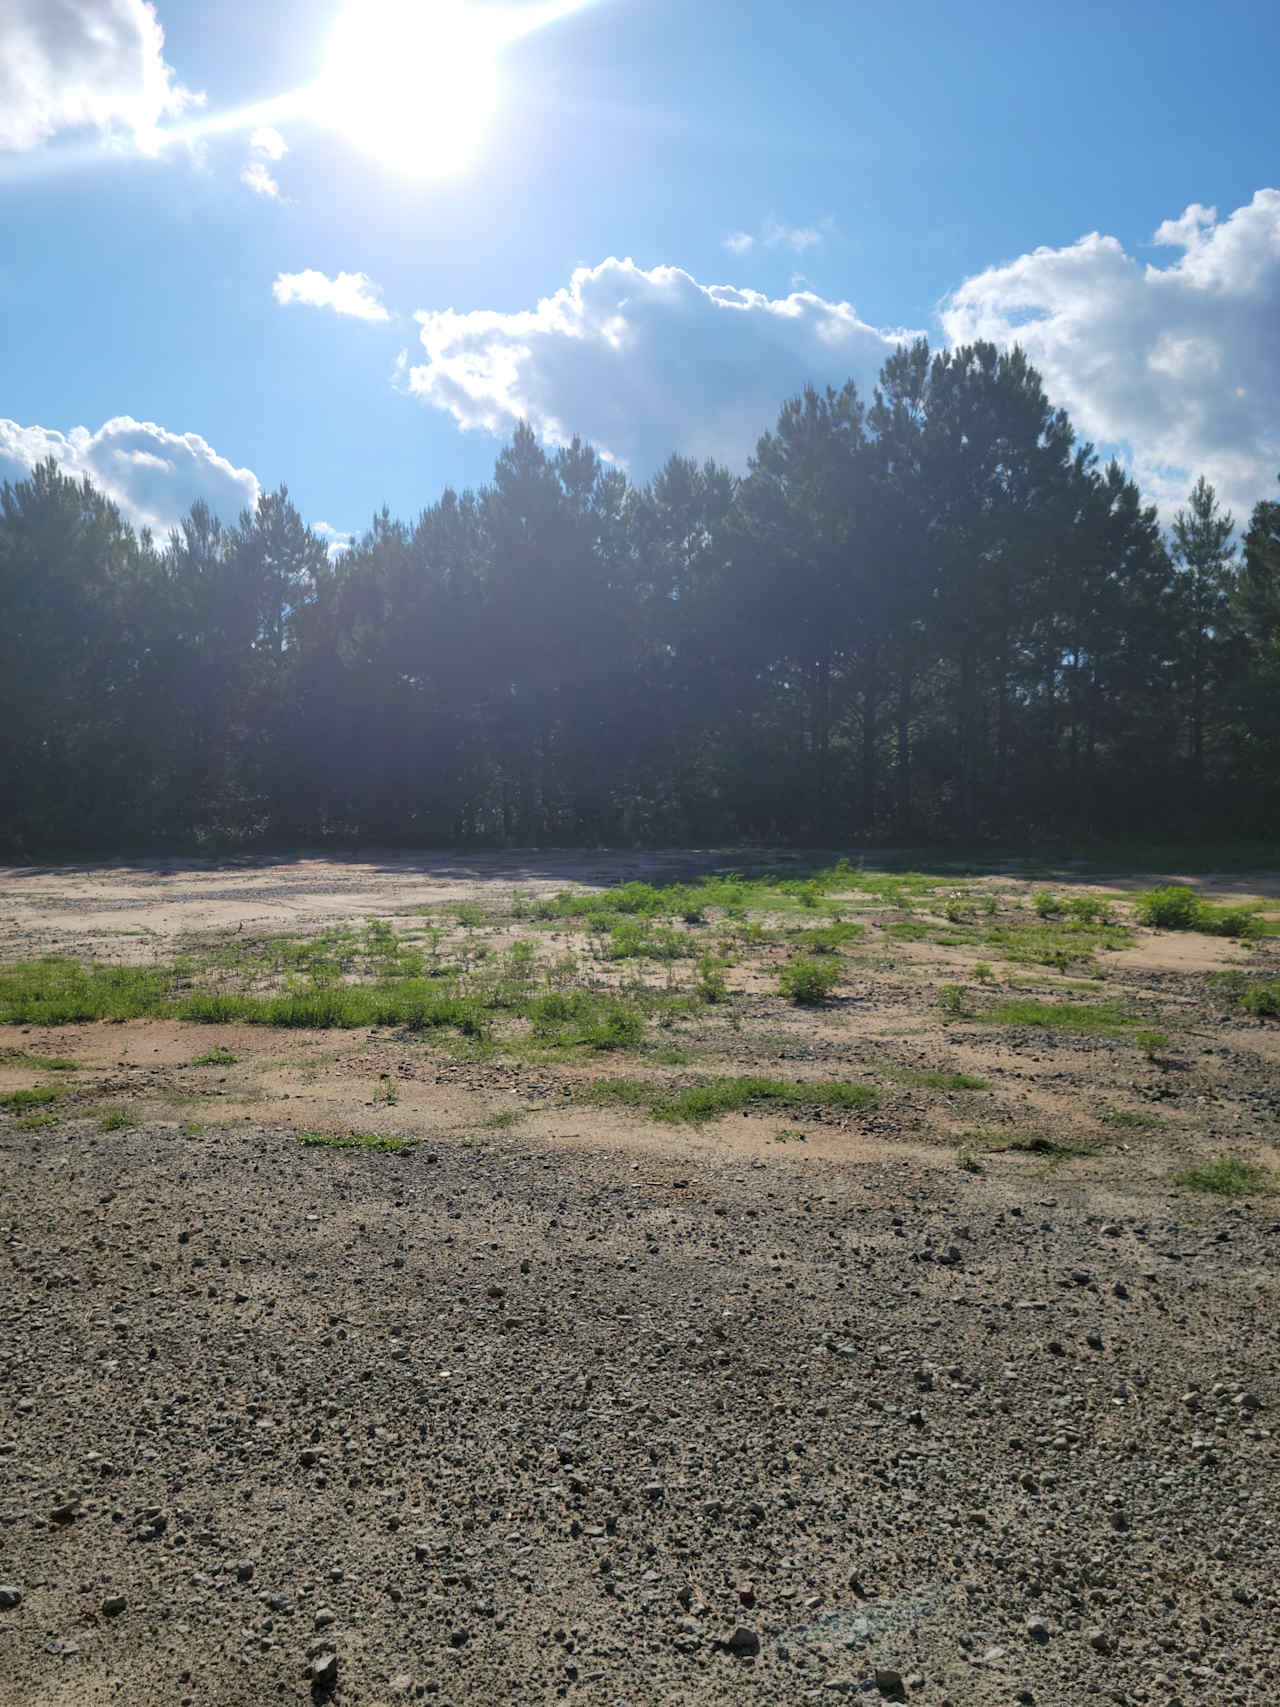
[350, 293]
[153, 475]
[1178, 364]
[642, 363]
[259, 180]
[76, 64]
[268, 142]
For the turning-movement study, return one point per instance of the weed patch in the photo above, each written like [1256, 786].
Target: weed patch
[714, 1098]
[1177, 908]
[35, 1098]
[355, 1141]
[1228, 1176]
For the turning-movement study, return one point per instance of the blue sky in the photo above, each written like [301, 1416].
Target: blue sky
[676, 215]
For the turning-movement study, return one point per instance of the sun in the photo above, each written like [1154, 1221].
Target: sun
[414, 83]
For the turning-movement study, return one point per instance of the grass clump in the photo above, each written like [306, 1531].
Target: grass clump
[215, 1058]
[1228, 1176]
[581, 1019]
[1104, 1019]
[37, 1122]
[46, 1063]
[808, 982]
[1177, 908]
[713, 1098]
[356, 1141]
[828, 939]
[1129, 1119]
[1262, 999]
[57, 991]
[34, 1098]
[116, 1120]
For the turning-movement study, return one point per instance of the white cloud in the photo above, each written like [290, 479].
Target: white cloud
[269, 143]
[153, 475]
[75, 64]
[259, 180]
[335, 540]
[1179, 364]
[349, 293]
[775, 234]
[644, 363]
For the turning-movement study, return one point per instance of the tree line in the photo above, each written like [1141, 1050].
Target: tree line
[931, 614]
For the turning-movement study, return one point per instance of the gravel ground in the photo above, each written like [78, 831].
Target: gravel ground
[512, 1422]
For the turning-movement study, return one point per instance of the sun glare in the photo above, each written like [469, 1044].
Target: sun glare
[414, 83]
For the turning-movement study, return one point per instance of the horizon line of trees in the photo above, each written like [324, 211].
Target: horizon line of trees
[930, 615]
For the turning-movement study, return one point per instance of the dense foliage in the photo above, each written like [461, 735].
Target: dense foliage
[933, 615]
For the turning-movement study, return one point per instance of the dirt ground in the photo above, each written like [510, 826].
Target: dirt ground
[560, 1403]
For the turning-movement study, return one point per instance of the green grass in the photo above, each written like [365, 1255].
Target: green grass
[37, 1122]
[34, 1098]
[583, 1019]
[384, 1142]
[59, 991]
[215, 1058]
[1228, 1176]
[827, 939]
[1091, 1019]
[1177, 908]
[505, 1117]
[46, 1063]
[693, 1105]
[933, 1080]
[1129, 1119]
[115, 1120]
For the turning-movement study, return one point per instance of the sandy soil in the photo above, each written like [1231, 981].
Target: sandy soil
[565, 1405]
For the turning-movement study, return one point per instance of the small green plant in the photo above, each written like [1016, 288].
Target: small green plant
[711, 985]
[116, 1120]
[1047, 904]
[387, 1092]
[789, 1135]
[1228, 1176]
[982, 970]
[966, 1160]
[809, 895]
[1152, 1043]
[37, 1122]
[215, 1058]
[18, 1100]
[953, 999]
[808, 982]
[504, 1118]
[469, 916]
[673, 1057]
[1262, 999]
[355, 1141]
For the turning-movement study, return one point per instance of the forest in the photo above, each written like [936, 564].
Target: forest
[928, 616]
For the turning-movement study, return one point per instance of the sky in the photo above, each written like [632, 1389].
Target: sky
[347, 244]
